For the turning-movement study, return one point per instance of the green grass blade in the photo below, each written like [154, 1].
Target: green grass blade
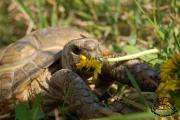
[135, 85]
[42, 19]
[136, 116]
[54, 17]
[90, 9]
[176, 41]
[155, 25]
[117, 13]
[25, 10]
[133, 103]
[36, 112]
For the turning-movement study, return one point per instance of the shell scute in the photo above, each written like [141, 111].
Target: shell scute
[30, 68]
[5, 85]
[17, 52]
[25, 59]
[19, 75]
[44, 59]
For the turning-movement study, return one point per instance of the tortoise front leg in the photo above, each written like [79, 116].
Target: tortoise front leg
[76, 93]
[146, 76]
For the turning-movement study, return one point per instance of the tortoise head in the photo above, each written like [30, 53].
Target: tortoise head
[72, 51]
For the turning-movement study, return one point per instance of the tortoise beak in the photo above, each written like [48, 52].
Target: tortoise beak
[92, 54]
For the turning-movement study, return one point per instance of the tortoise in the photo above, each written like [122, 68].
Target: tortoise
[45, 59]
[25, 64]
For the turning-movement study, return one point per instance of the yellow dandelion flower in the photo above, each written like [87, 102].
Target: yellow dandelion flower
[91, 63]
[170, 74]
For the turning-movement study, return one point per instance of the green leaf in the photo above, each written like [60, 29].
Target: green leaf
[176, 99]
[130, 49]
[150, 58]
[116, 48]
[36, 112]
[22, 112]
[38, 115]
[133, 39]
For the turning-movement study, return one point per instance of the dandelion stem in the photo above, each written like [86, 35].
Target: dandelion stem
[129, 57]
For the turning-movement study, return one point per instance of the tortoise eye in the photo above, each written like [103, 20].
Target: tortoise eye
[76, 50]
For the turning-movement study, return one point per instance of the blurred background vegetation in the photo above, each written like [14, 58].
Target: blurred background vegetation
[140, 23]
[123, 25]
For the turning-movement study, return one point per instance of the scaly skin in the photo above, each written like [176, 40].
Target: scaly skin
[23, 61]
[71, 87]
[80, 92]
[77, 94]
[147, 77]
[69, 56]
[25, 65]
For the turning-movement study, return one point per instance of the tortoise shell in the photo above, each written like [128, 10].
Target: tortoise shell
[25, 59]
